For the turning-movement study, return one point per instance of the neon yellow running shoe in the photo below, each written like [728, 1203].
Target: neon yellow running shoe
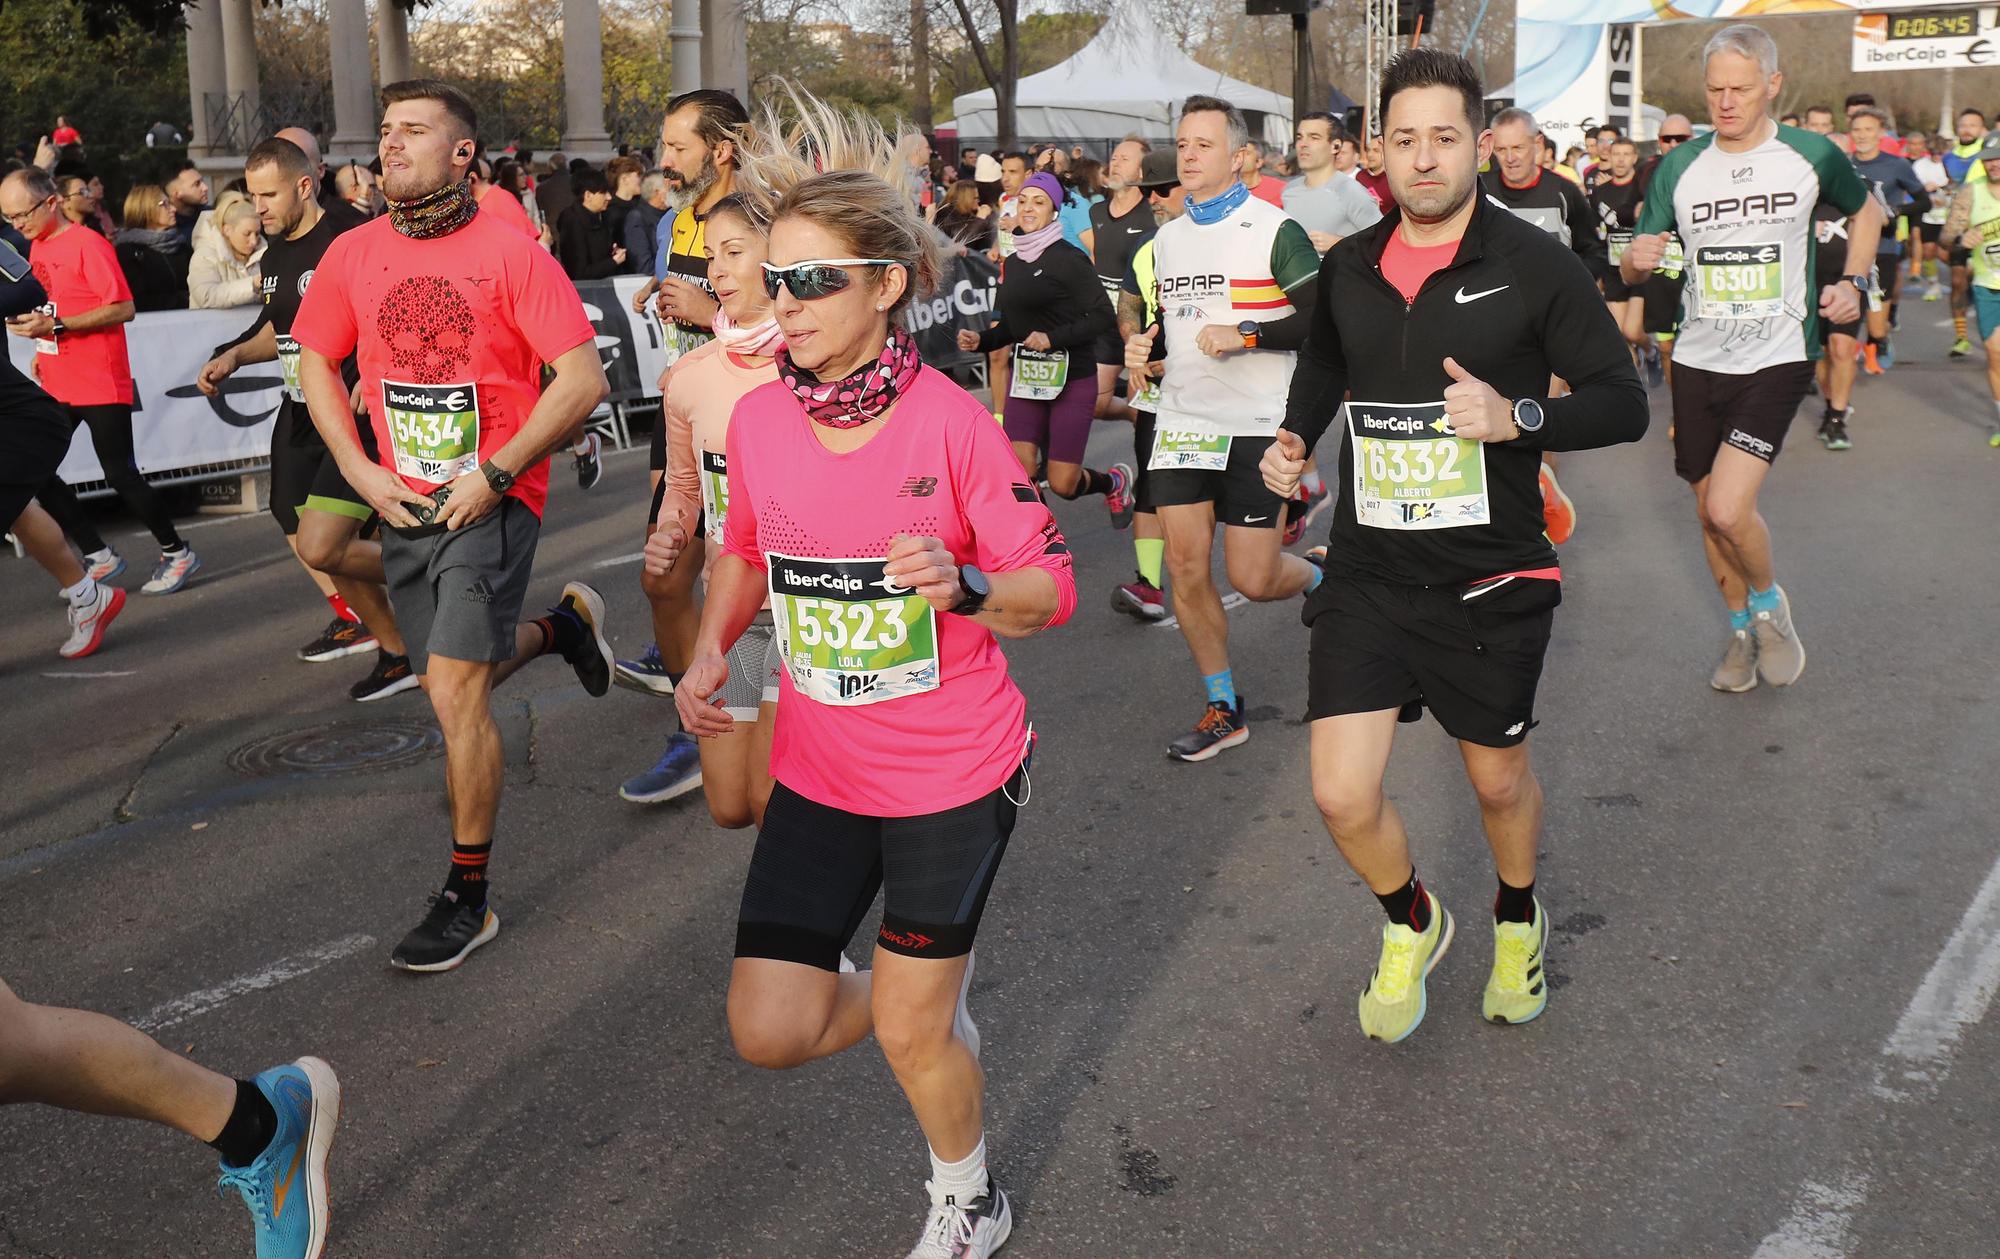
[1518, 991]
[1393, 1003]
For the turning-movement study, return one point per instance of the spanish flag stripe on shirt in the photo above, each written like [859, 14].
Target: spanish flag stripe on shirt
[1263, 294]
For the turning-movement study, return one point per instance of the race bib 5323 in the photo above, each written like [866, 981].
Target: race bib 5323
[1410, 472]
[849, 635]
[434, 429]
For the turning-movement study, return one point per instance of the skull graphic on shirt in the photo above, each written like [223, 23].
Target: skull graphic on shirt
[429, 330]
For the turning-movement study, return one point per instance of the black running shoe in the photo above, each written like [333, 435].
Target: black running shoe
[341, 637]
[391, 676]
[592, 658]
[589, 461]
[447, 934]
[1220, 727]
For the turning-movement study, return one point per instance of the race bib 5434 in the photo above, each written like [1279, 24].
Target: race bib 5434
[434, 429]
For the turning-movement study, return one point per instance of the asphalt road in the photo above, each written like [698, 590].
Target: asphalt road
[1777, 917]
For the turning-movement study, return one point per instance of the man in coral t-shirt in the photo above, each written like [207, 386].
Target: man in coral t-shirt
[451, 313]
[80, 359]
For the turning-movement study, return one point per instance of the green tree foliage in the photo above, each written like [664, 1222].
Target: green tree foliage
[112, 69]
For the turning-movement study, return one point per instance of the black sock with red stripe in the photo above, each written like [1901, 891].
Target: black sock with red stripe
[1514, 904]
[1408, 904]
[467, 882]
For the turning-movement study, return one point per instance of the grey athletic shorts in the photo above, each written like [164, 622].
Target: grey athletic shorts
[753, 671]
[459, 594]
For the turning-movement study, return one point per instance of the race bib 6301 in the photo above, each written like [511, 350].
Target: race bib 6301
[849, 635]
[1410, 472]
[1740, 281]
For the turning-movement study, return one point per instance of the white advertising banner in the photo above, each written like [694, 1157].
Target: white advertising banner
[174, 426]
[1927, 39]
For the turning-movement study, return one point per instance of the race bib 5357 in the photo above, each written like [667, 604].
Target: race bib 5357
[1039, 375]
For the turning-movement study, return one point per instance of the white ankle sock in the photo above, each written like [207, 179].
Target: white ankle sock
[963, 1180]
[99, 557]
[82, 594]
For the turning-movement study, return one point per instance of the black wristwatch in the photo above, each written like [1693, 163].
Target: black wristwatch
[57, 327]
[976, 587]
[497, 477]
[1529, 416]
[1861, 285]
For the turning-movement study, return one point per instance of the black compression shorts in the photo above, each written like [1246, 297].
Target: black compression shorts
[816, 869]
[1663, 304]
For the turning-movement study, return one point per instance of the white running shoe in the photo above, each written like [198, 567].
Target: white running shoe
[973, 1230]
[88, 623]
[174, 572]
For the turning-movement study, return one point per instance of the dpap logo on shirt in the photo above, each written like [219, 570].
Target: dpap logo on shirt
[1756, 204]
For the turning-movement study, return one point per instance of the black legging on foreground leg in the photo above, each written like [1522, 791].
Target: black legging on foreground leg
[111, 437]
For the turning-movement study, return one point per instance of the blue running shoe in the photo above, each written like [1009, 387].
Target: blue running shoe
[285, 1188]
[1886, 356]
[678, 772]
[645, 675]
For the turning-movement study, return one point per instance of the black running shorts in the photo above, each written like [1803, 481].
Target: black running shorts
[304, 473]
[1109, 350]
[1616, 290]
[1473, 656]
[1929, 233]
[816, 869]
[1238, 491]
[1750, 413]
[1959, 257]
[1663, 304]
[1142, 450]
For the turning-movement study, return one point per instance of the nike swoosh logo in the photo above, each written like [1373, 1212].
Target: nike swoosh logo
[1255, 520]
[1134, 231]
[1464, 297]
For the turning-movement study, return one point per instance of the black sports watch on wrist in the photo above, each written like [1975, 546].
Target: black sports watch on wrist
[1529, 416]
[497, 477]
[57, 327]
[1861, 285]
[976, 588]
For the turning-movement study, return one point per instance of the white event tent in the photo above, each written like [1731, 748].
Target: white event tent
[1125, 81]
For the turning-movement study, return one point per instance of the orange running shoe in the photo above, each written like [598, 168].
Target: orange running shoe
[1869, 362]
[1558, 513]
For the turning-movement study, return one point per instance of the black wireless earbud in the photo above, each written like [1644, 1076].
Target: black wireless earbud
[464, 151]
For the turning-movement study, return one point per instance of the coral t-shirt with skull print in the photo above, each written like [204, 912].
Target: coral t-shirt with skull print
[450, 334]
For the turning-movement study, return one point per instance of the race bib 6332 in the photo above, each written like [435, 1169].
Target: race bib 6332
[1410, 472]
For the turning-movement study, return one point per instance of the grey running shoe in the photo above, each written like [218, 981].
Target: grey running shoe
[1738, 671]
[1780, 655]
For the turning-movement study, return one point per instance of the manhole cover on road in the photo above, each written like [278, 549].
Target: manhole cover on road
[349, 747]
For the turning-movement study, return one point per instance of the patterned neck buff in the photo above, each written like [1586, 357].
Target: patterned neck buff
[1220, 206]
[761, 339]
[856, 399]
[434, 214]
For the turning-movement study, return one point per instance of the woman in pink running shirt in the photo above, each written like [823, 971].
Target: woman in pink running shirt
[895, 534]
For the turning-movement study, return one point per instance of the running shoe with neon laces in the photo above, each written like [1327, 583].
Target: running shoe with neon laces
[88, 623]
[589, 461]
[677, 772]
[592, 658]
[104, 565]
[1558, 512]
[646, 675]
[341, 637]
[1781, 657]
[973, 1230]
[1517, 991]
[448, 934]
[1395, 1000]
[1140, 598]
[285, 1187]
[1220, 727]
[174, 571]
[1738, 671]
[390, 676]
[1118, 499]
[1960, 348]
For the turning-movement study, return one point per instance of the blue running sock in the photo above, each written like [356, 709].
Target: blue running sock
[1740, 620]
[1221, 687]
[1318, 576]
[1764, 600]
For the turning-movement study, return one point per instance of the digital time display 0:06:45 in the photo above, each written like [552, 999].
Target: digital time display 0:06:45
[1931, 25]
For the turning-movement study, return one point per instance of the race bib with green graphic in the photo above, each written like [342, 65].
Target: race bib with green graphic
[679, 339]
[714, 492]
[1617, 241]
[288, 367]
[1197, 449]
[1039, 375]
[1673, 260]
[1986, 257]
[1740, 281]
[1410, 472]
[1148, 397]
[849, 635]
[434, 429]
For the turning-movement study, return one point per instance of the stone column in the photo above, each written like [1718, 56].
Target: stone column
[239, 68]
[353, 94]
[392, 41]
[685, 35]
[725, 53]
[583, 81]
[205, 76]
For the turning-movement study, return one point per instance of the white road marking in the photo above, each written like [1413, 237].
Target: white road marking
[200, 1002]
[618, 560]
[1234, 599]
[114, 673]
[1954, 995]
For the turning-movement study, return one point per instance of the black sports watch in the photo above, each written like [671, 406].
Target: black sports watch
[57, 327]
[497, 477]
[1529, 416]
[1249, 331]
[1861, 285]
[976, 587]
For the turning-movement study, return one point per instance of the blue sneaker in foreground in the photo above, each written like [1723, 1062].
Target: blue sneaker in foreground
[677, 773]
[646, 674]
[285, 1187]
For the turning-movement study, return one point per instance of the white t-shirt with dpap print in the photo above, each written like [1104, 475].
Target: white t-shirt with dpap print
[1748, 299]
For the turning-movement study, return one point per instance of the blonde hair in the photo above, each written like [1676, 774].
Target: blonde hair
[141, 202]
[232, 206]
[839, 169]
